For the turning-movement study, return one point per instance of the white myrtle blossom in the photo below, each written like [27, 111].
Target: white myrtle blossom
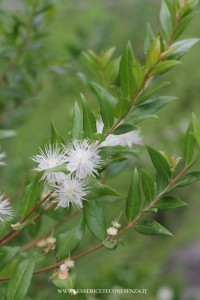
[71, 190]
[6, 212]
[82, 158]
[112, 231]
[2, 156]
[126, 139]
[116, 224]
[50, 158]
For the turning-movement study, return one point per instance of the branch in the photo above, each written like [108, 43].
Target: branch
[130, 225]
[9, 233]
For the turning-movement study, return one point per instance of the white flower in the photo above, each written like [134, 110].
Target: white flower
[71, 190]
[112, 231]
[6, 212]
[82, 158]
[126, 139]
[116, 224]
[50, 158]
[69, 263]
[2, 156]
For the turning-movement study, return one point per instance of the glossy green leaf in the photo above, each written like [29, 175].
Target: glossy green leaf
[153, 55]
[196, 129]
[150, 91]
[68, 241]
[182, 47]
[164, 66]
[105, 108]
[77, 123]
[94, 218]
[189, 145]
[147, 186]
[20, 281]
[124, 128]
[151, 227]
[56, 138]
[133, 201]
[100, 92]
[151, 106]
[99, 190]
[159, 162]
[89, 122]
[189, 179]
[7, 254]
[183, 24]
[127, 80]
[122, 108]
[117, 150]
[110, 245]
[138, 73]
[149, 37]
[161, 182]
[168, 203]
[30, 198]
[166, 18]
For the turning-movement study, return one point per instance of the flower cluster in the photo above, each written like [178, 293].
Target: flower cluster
[48, 244]
[64, 269]
[6, 212]
[112, 231]
[66, 168]
[79, 160]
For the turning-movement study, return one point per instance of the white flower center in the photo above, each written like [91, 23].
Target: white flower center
[52, 162]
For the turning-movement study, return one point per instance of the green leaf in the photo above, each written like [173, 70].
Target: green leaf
[122, 108]
[183, 24]
[105, 107]
[159, 162]
[196, 129]
[5, 134]
[68, 241]
[153, 55]
[127, 80]
[133, 201]
[168, 203]
[161, 182]
[68, 283]
[189, 145]
[94, 218]
[101, 92]
[124, 128]
[153, 105]
[99, 190]
[30, 198]
[138, 73]
[77, 123]
[56, 138]
[189, 179]
[182, 47]
[149, 38]
[153, 89]
[111, 245]
[7, 254]
[89, 122]
[147, 186]
[166, 18]
[151, 227]
[20, 281]
[164, 66]
[117, 150]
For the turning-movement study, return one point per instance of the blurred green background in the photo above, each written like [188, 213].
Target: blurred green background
[98, 25]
